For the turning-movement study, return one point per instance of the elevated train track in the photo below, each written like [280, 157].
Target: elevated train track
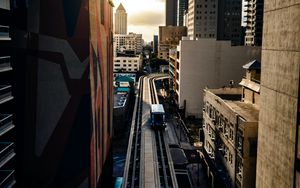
[148, 162]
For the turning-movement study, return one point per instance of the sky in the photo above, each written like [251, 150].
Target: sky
[143, 16]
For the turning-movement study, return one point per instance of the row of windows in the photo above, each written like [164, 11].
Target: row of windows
[124, 65]
[124, 61]
[117, 69]
[205, 12]
[205, 17]
[224, 126]
[205, 35]
[221, 147]
[205, 6]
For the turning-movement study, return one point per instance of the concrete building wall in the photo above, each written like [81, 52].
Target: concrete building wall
[213, 64]
[278, 144]
[62, 53]
[249, 154]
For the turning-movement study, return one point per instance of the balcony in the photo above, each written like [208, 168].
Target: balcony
[5, 64]
[5, 93]
[7, 178]
[4, 32]
[6, 123]
[6, 152]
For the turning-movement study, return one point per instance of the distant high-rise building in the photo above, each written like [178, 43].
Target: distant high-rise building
[131, 42]
[202, 19]
[155, 44]
[169, 37]
[182, 6]
[229, 21]
[254, 22]
[121, 20]
[278, 151]
[220, 19]
[61, 52]
[171, 12]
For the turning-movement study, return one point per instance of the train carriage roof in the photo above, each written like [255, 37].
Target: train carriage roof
[157, 108]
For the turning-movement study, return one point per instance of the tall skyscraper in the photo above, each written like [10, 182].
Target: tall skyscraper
[229, 21]
[182, 6]
[220, 19]
[202, 19]
[278, 152]
[63, 92]
[171, 12]
[155, 44]
[254, 22]
[121, 20]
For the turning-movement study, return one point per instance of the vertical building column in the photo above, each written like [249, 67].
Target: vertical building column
[277, 136]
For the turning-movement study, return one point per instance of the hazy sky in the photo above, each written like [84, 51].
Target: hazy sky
[144, 16]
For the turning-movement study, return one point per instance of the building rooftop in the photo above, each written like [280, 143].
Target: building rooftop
[232, 98]
[248, 111]
[228, 93]
[121, 7]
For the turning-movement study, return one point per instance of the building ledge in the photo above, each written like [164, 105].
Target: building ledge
[250, 84]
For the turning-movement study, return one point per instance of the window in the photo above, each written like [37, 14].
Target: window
[239, 142]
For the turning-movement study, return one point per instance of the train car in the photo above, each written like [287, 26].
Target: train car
[157, 116]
